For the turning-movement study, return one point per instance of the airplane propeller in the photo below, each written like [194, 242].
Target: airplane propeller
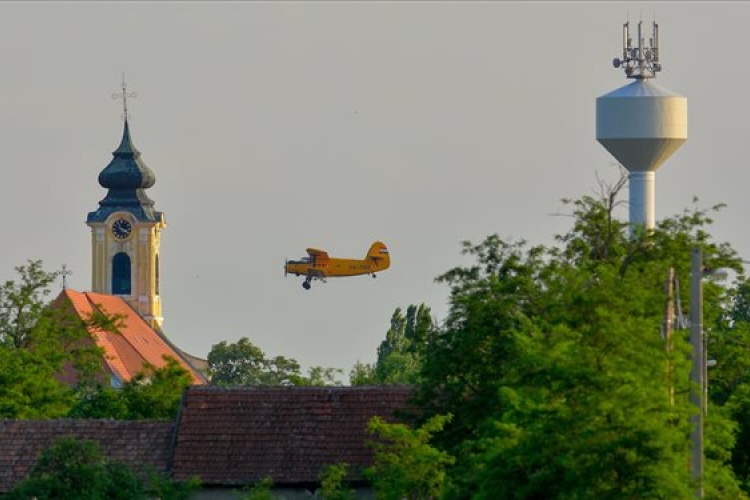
[286, 263]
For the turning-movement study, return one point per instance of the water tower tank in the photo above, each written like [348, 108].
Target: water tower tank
[641, 124]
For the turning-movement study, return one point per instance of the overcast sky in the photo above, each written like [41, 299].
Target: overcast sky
[273, 127]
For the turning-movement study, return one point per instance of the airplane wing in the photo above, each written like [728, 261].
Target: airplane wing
[318, 255]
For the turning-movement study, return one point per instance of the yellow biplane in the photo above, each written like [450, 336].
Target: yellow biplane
[319, 266]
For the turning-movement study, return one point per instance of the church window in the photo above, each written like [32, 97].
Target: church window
[121, 274]
[156, 274]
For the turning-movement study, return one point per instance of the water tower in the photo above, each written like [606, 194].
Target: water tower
[641, 124]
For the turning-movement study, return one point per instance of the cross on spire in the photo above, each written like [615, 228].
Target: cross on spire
[124, 96]
[64, 273]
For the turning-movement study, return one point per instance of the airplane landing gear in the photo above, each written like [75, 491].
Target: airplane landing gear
[306, 285]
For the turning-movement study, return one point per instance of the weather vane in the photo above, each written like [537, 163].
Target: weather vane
[639, 61]
[124, 96]
[65, 272]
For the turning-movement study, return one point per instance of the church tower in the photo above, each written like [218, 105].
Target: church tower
[126, 232]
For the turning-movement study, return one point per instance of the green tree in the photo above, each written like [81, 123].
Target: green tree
[400, 353]
[728, 343]
[362, 374]
[152, 394]
[323, 377]
[333, 483]
[40, 342]
[22, 303]
[406, 465]
[77, 468]
[244, 363]
[155, 393]
[259, 491]
[552, 362]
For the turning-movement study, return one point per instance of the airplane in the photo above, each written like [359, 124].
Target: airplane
[318, 265]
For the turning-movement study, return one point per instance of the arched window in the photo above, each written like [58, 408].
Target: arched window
[156, 274]
[121, 274]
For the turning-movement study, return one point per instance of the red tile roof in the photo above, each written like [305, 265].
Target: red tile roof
[232, 436]
[136, 344]
[135, 443]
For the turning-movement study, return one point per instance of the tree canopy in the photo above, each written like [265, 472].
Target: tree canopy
[400, 354]
[553, 364]
[243, 363]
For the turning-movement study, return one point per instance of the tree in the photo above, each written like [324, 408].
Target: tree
[728, 343]
[406, 465]
[243, 363]
[333, 483]
[152, 394]
[362, 374]
[22, 303]
[323, 377]
[259, 491]
[39, 342]
[552, 363]
[400, 353]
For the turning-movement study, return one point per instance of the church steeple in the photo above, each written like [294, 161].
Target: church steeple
[126, 230]
[126, 177]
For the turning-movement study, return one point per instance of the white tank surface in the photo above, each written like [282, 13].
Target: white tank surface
[641, 124]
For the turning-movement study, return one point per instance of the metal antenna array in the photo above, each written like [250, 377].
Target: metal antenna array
[639, 61]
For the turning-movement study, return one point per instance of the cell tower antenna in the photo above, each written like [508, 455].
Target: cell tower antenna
[639, 61]
[124, 96]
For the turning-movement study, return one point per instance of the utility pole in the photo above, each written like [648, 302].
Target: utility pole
[698, 370]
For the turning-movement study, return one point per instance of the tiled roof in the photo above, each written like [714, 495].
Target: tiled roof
[230, 436]
[135, 443]
[136, 343]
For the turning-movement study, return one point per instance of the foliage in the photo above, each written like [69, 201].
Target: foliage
[163, 488]
[551, 361]
[39, 343]
[362, 374]
[72, 468]
[28, 388]
[333, 483]
[154, 394]
[243, 363]
[407, 466]
[259, 491]
[322, 377]
[400, 354]
[22, 303]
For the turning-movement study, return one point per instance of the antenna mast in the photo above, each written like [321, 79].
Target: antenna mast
[639, 61]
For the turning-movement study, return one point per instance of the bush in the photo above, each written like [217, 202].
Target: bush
[77, 468]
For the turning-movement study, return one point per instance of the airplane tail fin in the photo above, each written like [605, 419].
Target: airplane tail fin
[379, 253]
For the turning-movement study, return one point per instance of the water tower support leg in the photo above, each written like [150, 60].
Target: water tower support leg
[642, 199]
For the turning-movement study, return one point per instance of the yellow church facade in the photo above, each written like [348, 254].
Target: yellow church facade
[125, 262]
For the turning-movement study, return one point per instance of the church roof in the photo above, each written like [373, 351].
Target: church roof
[136, 344]
[126, 177]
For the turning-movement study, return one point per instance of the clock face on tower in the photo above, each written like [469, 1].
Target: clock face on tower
[121, 229]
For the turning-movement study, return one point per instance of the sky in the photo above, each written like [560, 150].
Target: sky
[277, 126]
